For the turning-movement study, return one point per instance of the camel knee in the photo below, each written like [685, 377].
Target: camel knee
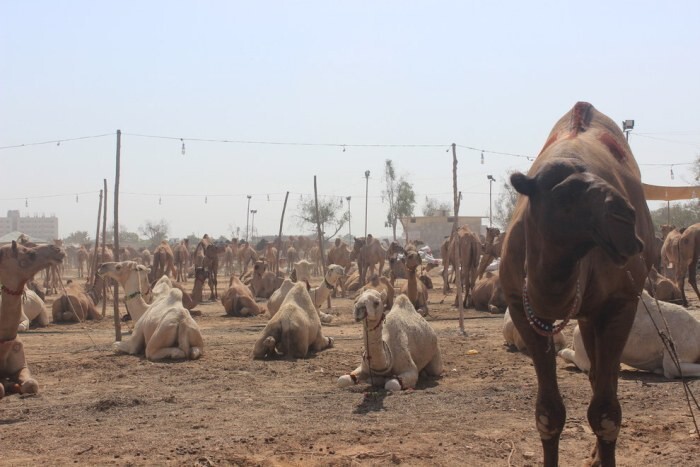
[605, 419]
[550, 419]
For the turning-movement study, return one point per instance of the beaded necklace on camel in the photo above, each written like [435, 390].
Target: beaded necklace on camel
[549, 329]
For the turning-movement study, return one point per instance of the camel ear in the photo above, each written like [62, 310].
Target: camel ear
[523, 184]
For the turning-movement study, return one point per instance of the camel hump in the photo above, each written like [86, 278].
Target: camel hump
[402, 302]
[581, 116]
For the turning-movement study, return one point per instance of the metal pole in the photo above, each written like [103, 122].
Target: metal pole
[349, 217]
[491, 179]
[252, 224]
[117, 322]
[366, 198]
[247, 217]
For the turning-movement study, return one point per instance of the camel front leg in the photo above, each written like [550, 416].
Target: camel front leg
[322, 343]
[358, 375]
[14, 364]
[405, 380]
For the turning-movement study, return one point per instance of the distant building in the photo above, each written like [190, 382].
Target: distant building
[432, 230]
[45, 227]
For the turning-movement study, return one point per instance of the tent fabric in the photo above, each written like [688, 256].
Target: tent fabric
[670, 193]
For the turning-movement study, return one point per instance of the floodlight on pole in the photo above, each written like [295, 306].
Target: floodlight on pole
[627, 126]
[247, 218]
[366, 198]
[491, 180]
[349, 216]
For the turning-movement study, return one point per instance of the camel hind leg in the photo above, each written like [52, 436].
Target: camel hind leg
[190, 339]
[434, 366]
[159, 346]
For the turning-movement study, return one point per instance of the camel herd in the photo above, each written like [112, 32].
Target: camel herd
[580, 246]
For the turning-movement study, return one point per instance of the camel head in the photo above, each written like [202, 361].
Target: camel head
[129, 274]
[413, 260]
[491, 234]
[18, 263]
[259, 268]
[334, 274]
[576, 209]
[666, 229]
[356, 247]
[370, 306]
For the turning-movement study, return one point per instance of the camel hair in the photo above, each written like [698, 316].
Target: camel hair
[398, 345]
[319, 294]
[294, 330]
[164, 329]
[238, 299]
[415, 290]
[644, 348]
[18, 264]
[578, 228]
[515, 341]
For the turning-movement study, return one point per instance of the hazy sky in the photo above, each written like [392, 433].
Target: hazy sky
[492, 75]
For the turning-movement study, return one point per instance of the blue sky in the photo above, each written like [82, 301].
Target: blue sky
[491, 75]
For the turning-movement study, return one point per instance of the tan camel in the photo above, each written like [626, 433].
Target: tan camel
[271, 257]
[662, 288]
[688, 254]
[367, 252]
[448, 258]
[163, 261]
[415, 290]
[228, 260]
[514, 340]
[263, 282]
[294, 330]
[33, 311]
[339, 254]
[292, 257]
[146, 257]
[469, 250]
[399, 345]
[315, 258]
[384, 287]
[238, 300]
[578, 229]
[78, 303]
[181, 256]
[18, 264]
[82, 256]
[670, 251]
[491, 249]
[488, 294]
[165, 328]
[246, 255]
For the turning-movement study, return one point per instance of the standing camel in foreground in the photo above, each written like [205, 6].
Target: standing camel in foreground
[17, 266]
[578, 229]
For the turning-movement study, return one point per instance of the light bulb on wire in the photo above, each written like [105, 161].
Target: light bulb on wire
[482, 157]
[183, 146]
[672, 176]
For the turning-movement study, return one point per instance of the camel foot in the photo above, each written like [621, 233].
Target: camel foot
[393, 385]
[326, 318]
[345, 381]
[2, 391]
[30, 386]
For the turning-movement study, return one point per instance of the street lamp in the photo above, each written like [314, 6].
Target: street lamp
[627, 126]
[252, 224]
[491, 180]
[349, 217]
[247, 218]
[366, 198]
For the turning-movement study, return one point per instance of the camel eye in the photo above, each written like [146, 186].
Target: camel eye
[376, 303]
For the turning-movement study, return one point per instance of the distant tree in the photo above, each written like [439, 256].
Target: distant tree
[331, 215]
[79, 237]
[505, 204]
[400, 196]
[433, 207]
[155, 232]
[125, 237]
[682, 214]
[193, 240]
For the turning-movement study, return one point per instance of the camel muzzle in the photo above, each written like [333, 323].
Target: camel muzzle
[360, 313]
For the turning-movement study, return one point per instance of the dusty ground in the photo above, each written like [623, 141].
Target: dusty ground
[96, 407]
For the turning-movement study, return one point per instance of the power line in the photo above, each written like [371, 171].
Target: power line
[56, 141]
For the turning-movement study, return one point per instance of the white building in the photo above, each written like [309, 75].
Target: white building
[35, 226]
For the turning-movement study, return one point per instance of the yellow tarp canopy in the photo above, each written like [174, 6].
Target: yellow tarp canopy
[670, 193]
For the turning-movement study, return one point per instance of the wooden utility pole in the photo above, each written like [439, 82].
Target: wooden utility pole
[320, 239]
[455, 238]
[104, 236]
[279, 237]
[93, 266]
[117, 322]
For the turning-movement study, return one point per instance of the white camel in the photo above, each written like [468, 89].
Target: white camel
[319, 294]
[644, 348]
[33, 311]
[165, 328]
[294, 330]
[398, 345]
[513, 338]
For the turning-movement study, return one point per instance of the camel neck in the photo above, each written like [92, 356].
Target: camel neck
[197, 290]
[376, 352]
[10, 315]
[411, 285]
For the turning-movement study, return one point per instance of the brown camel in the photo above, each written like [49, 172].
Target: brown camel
[18, 264]
[263, 282]
[163, 262]
[191, 299]
[206, 255]
[488, 294]
[670, 251]
[415, 290]
[688, 253]
[339, 254]
[78, 303]
[271, 257]
[469, 248]
[384, 287]
[246, 255]
[146, 257]
[491, 249]
[82, 256]
[238, 300]
[228, 260]
[181, 256]
[578, 229]
[367, 252]
[315, 258]
[448, 259]
[662, 288]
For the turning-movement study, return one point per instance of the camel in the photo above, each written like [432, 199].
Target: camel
[448, 258]
[578, 229]
[263, 282]
[292, 257]
[319, 294]
[146, 257]
[688, 253]
[415, 290]
[82, 257]
[163, 261]
[367, 252]
[294, 330]
[469, 250]
[206, 255]
[166, 329]
[78, 303]
[396, 255]
[670, 250]
[301, 271]
[271, 257]
[662, 288]
[398, 345]
[108, 255]
[228, 260]
[515, 342]
[488, 294]
[181, 256]
[491, 250]
[18, 264]
[644, 349]
[315, 258]
[384, 287]
[339, 254]
[246, 255]
[238, 300]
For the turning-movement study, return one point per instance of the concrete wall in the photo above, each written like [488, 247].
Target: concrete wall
[432, 230]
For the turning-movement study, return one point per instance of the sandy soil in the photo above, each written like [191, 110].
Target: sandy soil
[96, 407]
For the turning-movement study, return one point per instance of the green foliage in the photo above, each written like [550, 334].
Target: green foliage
[433, 207]
[155, 232]
[682, 214]
[400, 196]
[79, 237]
[331, 215]
[505, 204]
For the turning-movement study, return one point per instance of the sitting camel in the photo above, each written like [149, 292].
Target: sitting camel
[415, 290]
[488, 294]
[238, 300]
[263, 282]
[319, 294]
[662, 288]
[78, 303]
[398, 345]
[294, 330]
[644, 348]
[301, 271]
[515, 341]
[165, 328]
[18, 264]
[384, 287]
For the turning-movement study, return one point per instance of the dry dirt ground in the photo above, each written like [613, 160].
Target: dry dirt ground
[98, 408]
